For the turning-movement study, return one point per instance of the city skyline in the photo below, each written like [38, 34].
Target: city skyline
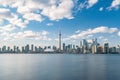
[38, 22]
[83, 47]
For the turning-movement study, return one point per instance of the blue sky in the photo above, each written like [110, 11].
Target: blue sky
[38, 21]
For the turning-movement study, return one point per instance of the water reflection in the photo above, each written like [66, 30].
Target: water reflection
[59, 67]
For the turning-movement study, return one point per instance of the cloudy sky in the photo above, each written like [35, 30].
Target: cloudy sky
[38, 21]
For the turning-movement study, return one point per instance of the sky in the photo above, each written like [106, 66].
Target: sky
[39, 21]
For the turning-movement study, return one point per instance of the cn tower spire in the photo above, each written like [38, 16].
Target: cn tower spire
[59, 40]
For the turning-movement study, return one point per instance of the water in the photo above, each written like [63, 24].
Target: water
[59, 67]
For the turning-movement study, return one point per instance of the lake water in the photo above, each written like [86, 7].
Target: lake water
[59, 67]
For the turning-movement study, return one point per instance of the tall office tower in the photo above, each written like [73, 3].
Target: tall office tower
[32, 47]
[23, 49]
[64, 47]
[59, 41]
[80, 44]
[4, 49]
[81, 47]
[85, 46]
[27, 48]
[106, 48]
[94, 46]
[8, 50]
[14, 49]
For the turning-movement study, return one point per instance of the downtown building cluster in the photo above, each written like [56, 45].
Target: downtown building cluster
[93, 47]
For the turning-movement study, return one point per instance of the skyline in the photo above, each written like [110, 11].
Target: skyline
[38, 22]
[83, 48]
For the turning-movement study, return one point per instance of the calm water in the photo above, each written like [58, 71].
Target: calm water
[59, 67]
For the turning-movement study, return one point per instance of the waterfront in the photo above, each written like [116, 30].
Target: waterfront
[59, 67]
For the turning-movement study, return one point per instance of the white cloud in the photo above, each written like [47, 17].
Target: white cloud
[5, 13]
[105, 40]
[90, 32]
[49, 24]
[34, 10]
[33, 16]
[101, 37]
[44, 32]
[115, 4]
[119, 33]
[89, 40]
[7, 28]
[101, 9]
[89, 36]
[78, 31]
[28, 34]
[87, 4]
[91, 3]
[57, 12]
[17, 21]
[53, 9]
[104, 29]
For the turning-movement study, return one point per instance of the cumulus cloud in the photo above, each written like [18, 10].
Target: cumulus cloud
[7, 28]
[20, 12]
[91, 32]
[28, 34]
[5, 13]
[16, 21]
[44, 32]
[87, 4]
[63, 10]
[91, 3]
[53, 9]
[33, 16]
[115, 4]
[12, 18]
[119, 33]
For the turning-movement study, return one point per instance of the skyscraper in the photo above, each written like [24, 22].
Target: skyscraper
[59, 41]
[94, 46]
[85, 46]
[64, 47]
[32, 47]
[106, 48]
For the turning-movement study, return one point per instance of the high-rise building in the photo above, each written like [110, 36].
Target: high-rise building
[94, 46]
[4, 49]
[27, 48]
[8, 50]
[14, 49]
[32, 47]
[106, 48]
[64, 47]
[85, 46]
[23, 50]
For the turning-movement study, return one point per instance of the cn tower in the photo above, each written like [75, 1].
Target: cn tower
[59, 40]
